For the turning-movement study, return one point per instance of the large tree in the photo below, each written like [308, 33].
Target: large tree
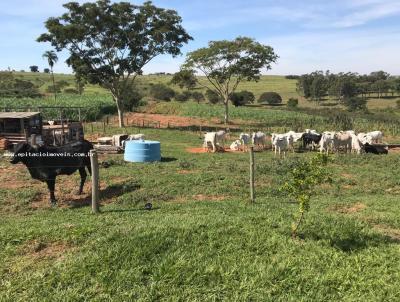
[227, 63]
[110, 43]
[51, 58]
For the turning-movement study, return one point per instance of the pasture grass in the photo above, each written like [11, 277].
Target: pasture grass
[203, 241]
[285, 87]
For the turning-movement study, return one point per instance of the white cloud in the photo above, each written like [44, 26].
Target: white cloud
[366, 12]
[357, 51]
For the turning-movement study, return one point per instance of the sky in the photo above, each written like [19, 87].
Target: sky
[337, 35]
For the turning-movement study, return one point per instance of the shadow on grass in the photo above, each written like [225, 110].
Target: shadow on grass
[131, 210]
[105, 194]
[352, 243]
[168, 159]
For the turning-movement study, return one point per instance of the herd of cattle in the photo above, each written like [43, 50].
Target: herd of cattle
[328, 141]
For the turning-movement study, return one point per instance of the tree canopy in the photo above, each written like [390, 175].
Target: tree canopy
[227, 63]
[110, 43]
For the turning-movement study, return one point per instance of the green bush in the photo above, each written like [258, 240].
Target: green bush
[292, 103]
[162, 92]
[182, 97]
[242, 98]
[213, 97]
[71, 91]
[131, 98]
[10, 87]
[272, 98]
[197, 96]
[355, 104]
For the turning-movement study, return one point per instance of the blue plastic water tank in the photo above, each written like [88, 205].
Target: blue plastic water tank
[140, 151]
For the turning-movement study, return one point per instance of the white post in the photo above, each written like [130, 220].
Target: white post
[252, 193]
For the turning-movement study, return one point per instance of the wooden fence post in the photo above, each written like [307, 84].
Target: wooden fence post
[95, 181]
[252, 193]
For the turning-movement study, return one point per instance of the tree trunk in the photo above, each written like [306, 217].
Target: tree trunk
[226, 116]
[54, 85]
[120, 113]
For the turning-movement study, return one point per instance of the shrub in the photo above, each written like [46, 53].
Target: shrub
[162, 92]
[182, 97]
[292, 77]
[242, 98]
[131, 98]
[197, 96]
[292, 103]
[213, 97]
[271, 98]
[10, 87]
[355, 103]
[71, 91]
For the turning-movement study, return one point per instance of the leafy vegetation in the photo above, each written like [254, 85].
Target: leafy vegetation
[202, 242]
[271, 98]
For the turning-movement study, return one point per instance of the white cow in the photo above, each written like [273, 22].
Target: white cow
[259, 139]
[350, 132]
[326, 142]
[293, 137]
[135, 137]
[374, 137]
[210, 138]
[280, 143]
[362, 137]
[221, 138]
[245, 139]
[356, 145]
[342, 139]
[235, 146]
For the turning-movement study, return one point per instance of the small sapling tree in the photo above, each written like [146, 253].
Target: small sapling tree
[301, 183]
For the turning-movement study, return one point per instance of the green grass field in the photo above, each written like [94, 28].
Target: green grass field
[285, 87]
[202, 241]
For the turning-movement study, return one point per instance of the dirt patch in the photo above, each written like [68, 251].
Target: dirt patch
[357, 207]
[394, 150]
[388, 231]
[39, 250]
[186, 172]
[347, 175]
[201, 197]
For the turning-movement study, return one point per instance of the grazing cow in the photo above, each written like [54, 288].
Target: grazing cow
[374, 149]
[326, 142]
[356, 145]
[245, 139]
[342, 140]
[362, 137]
[310, 139]
[259, 139]
[281, 143]
[293, 137]
[210, 138]
[235, 146]
[220, 138]
[135, 137]
[45, 163]
[374, 137]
